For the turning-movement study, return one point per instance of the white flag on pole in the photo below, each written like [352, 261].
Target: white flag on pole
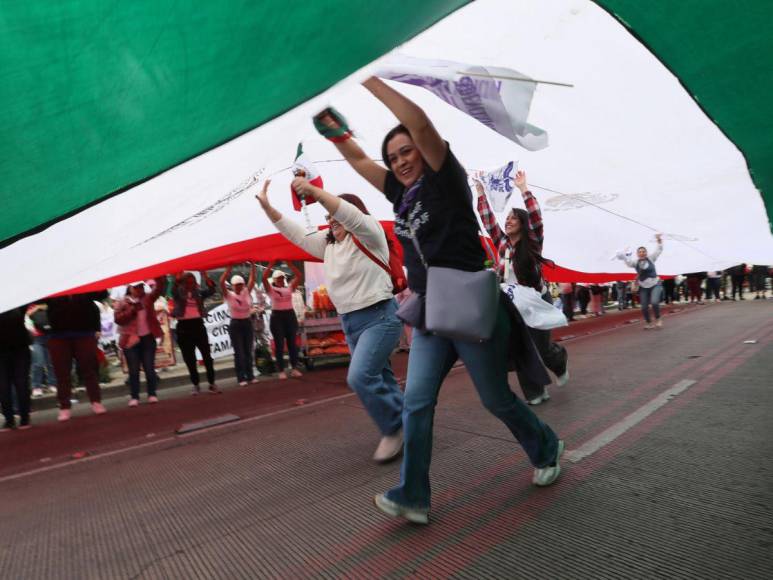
[484, 93]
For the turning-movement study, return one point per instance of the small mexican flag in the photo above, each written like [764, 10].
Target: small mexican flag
[303, 167]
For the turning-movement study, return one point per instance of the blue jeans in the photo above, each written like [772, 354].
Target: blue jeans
[650, 295]
[429, 362]
[243, 342]
[41, 362]
[143, 353]
[372, 334]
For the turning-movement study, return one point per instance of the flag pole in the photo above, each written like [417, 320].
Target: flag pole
[508, 78]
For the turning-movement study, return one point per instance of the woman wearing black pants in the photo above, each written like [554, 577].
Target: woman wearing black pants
[284, 324]
[191, 333]
[14, 368]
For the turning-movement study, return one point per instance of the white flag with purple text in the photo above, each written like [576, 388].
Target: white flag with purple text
[484, 93]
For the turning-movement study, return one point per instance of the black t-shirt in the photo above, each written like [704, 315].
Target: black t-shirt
[13, 333]
[442, 217]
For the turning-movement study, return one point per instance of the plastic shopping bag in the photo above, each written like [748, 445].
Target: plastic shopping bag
[536, 312]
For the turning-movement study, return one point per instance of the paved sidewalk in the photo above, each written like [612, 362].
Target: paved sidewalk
[676, 483]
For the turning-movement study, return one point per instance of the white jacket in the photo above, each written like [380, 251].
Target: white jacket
[354, 280]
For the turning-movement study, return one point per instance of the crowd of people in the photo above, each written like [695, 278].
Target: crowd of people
[580, 300]
[436, 225]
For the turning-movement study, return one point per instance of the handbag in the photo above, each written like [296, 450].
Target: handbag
[458, 304]
[411, 311]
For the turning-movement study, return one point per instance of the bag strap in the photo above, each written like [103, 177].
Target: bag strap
[416, 245]
[370, 255]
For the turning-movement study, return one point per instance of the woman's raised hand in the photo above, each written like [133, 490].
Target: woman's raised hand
[302, 186]
[520, 181]
[262, 197]
[328, 120]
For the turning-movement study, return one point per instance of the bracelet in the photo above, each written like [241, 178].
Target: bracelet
[341, 138]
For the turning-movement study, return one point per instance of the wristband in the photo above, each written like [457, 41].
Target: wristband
[340, 139]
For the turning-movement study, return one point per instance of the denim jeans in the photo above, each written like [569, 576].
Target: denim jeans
[429, 362]
[372, 334]
[243, 342]
[41, 362]
[650, 295]
[143, 353]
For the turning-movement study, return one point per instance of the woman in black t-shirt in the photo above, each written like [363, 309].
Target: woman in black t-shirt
[433, 203]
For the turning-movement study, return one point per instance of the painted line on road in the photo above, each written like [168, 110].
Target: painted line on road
[607, 436]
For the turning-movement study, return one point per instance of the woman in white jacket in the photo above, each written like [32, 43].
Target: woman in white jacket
[361, 291]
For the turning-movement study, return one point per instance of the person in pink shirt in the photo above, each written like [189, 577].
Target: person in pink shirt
[239, 300]
[283, 323]
[139, 328]
[191, 332]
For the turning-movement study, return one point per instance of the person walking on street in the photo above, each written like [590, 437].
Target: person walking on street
[138, 329]
[669, 291]
[759, 275]
[567, 299]
[713, 284]
[650, 288]
[40, 328]
[737, 277]
[596, 299]
[520, 261]
[694, 280]
[283, 322]
[431, 198]
[191, 332]
[583, 298]
[75, 322]
[239, 300]
[14, 369]
[355, 256]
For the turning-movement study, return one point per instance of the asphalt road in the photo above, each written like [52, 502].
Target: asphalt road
[667, 475]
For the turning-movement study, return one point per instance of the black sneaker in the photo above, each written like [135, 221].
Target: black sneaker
[24, 423]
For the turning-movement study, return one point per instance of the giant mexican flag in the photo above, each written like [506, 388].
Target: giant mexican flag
[135, 134]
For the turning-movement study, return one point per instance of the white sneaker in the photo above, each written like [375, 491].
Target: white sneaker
[242, 383]
[98, 408]
[152, 399]
[545, 396]
[37, 393]
[659, 323]
[415, 515]
[389, 448]
[544, 476]
[563, 379]
[134, 402]
[64, 415]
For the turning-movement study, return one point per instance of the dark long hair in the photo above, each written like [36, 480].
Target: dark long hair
[527, 259]
[356, 202]
[389, 136]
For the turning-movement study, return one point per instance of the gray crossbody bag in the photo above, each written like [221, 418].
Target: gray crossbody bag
[458, 304]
